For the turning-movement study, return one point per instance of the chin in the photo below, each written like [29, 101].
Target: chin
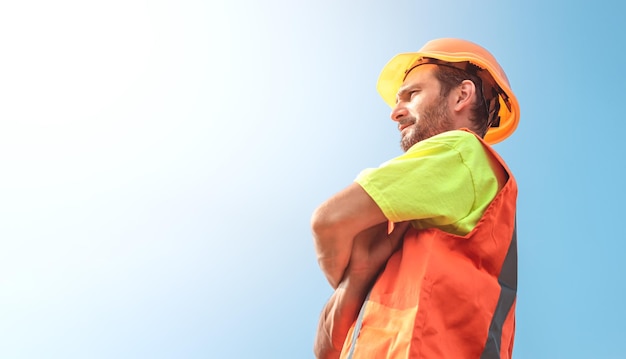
[406, 143]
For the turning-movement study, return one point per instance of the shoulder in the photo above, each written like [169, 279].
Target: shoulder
[460, 148]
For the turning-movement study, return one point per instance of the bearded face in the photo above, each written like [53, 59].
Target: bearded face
[432, 119]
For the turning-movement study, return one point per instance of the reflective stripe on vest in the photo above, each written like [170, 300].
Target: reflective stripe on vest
[506, 302]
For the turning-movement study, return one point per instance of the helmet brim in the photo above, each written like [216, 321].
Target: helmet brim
[393, 74]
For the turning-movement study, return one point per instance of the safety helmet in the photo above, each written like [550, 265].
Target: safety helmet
[458, 53]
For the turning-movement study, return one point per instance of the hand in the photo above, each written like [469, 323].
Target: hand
[372, 249]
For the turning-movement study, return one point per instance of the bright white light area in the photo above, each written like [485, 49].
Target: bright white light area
[106, 110]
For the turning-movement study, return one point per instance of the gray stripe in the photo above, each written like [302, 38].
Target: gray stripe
[357, 327]
[508, 289]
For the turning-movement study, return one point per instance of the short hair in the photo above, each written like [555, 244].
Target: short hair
[450, 77]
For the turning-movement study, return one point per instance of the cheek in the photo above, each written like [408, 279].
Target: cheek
[423, 106]
[415, 108]
[419, 104]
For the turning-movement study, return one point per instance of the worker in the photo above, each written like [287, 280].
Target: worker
[422, 251]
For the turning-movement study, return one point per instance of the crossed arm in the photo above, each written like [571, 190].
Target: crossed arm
[352, 245]
[336, 223]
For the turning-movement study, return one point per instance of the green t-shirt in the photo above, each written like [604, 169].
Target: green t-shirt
[446, 181]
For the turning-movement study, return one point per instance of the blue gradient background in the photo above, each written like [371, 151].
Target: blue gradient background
[160, 160]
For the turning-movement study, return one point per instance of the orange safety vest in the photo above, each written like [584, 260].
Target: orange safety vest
[443, 295]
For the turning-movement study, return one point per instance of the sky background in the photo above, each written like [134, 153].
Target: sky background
[160, 161]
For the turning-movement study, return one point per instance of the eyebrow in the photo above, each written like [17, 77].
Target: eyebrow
[403, 90]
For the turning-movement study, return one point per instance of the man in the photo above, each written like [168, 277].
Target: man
[421, 251]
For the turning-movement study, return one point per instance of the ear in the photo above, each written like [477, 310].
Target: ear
[464, 95]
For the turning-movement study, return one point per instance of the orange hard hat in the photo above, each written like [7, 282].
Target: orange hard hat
[452, 51]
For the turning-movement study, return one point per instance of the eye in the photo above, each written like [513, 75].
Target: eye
[407, 95]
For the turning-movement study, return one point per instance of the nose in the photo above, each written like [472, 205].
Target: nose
[398, 112]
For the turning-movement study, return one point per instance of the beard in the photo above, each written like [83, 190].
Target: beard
[433, 120]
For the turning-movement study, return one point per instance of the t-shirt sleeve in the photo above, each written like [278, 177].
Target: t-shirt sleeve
[430, 182]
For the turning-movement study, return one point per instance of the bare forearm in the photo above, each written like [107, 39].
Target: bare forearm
[336, 223]
[334, 263]
[371, 250]
[338, 315]
[334, 245]
[333, 255]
